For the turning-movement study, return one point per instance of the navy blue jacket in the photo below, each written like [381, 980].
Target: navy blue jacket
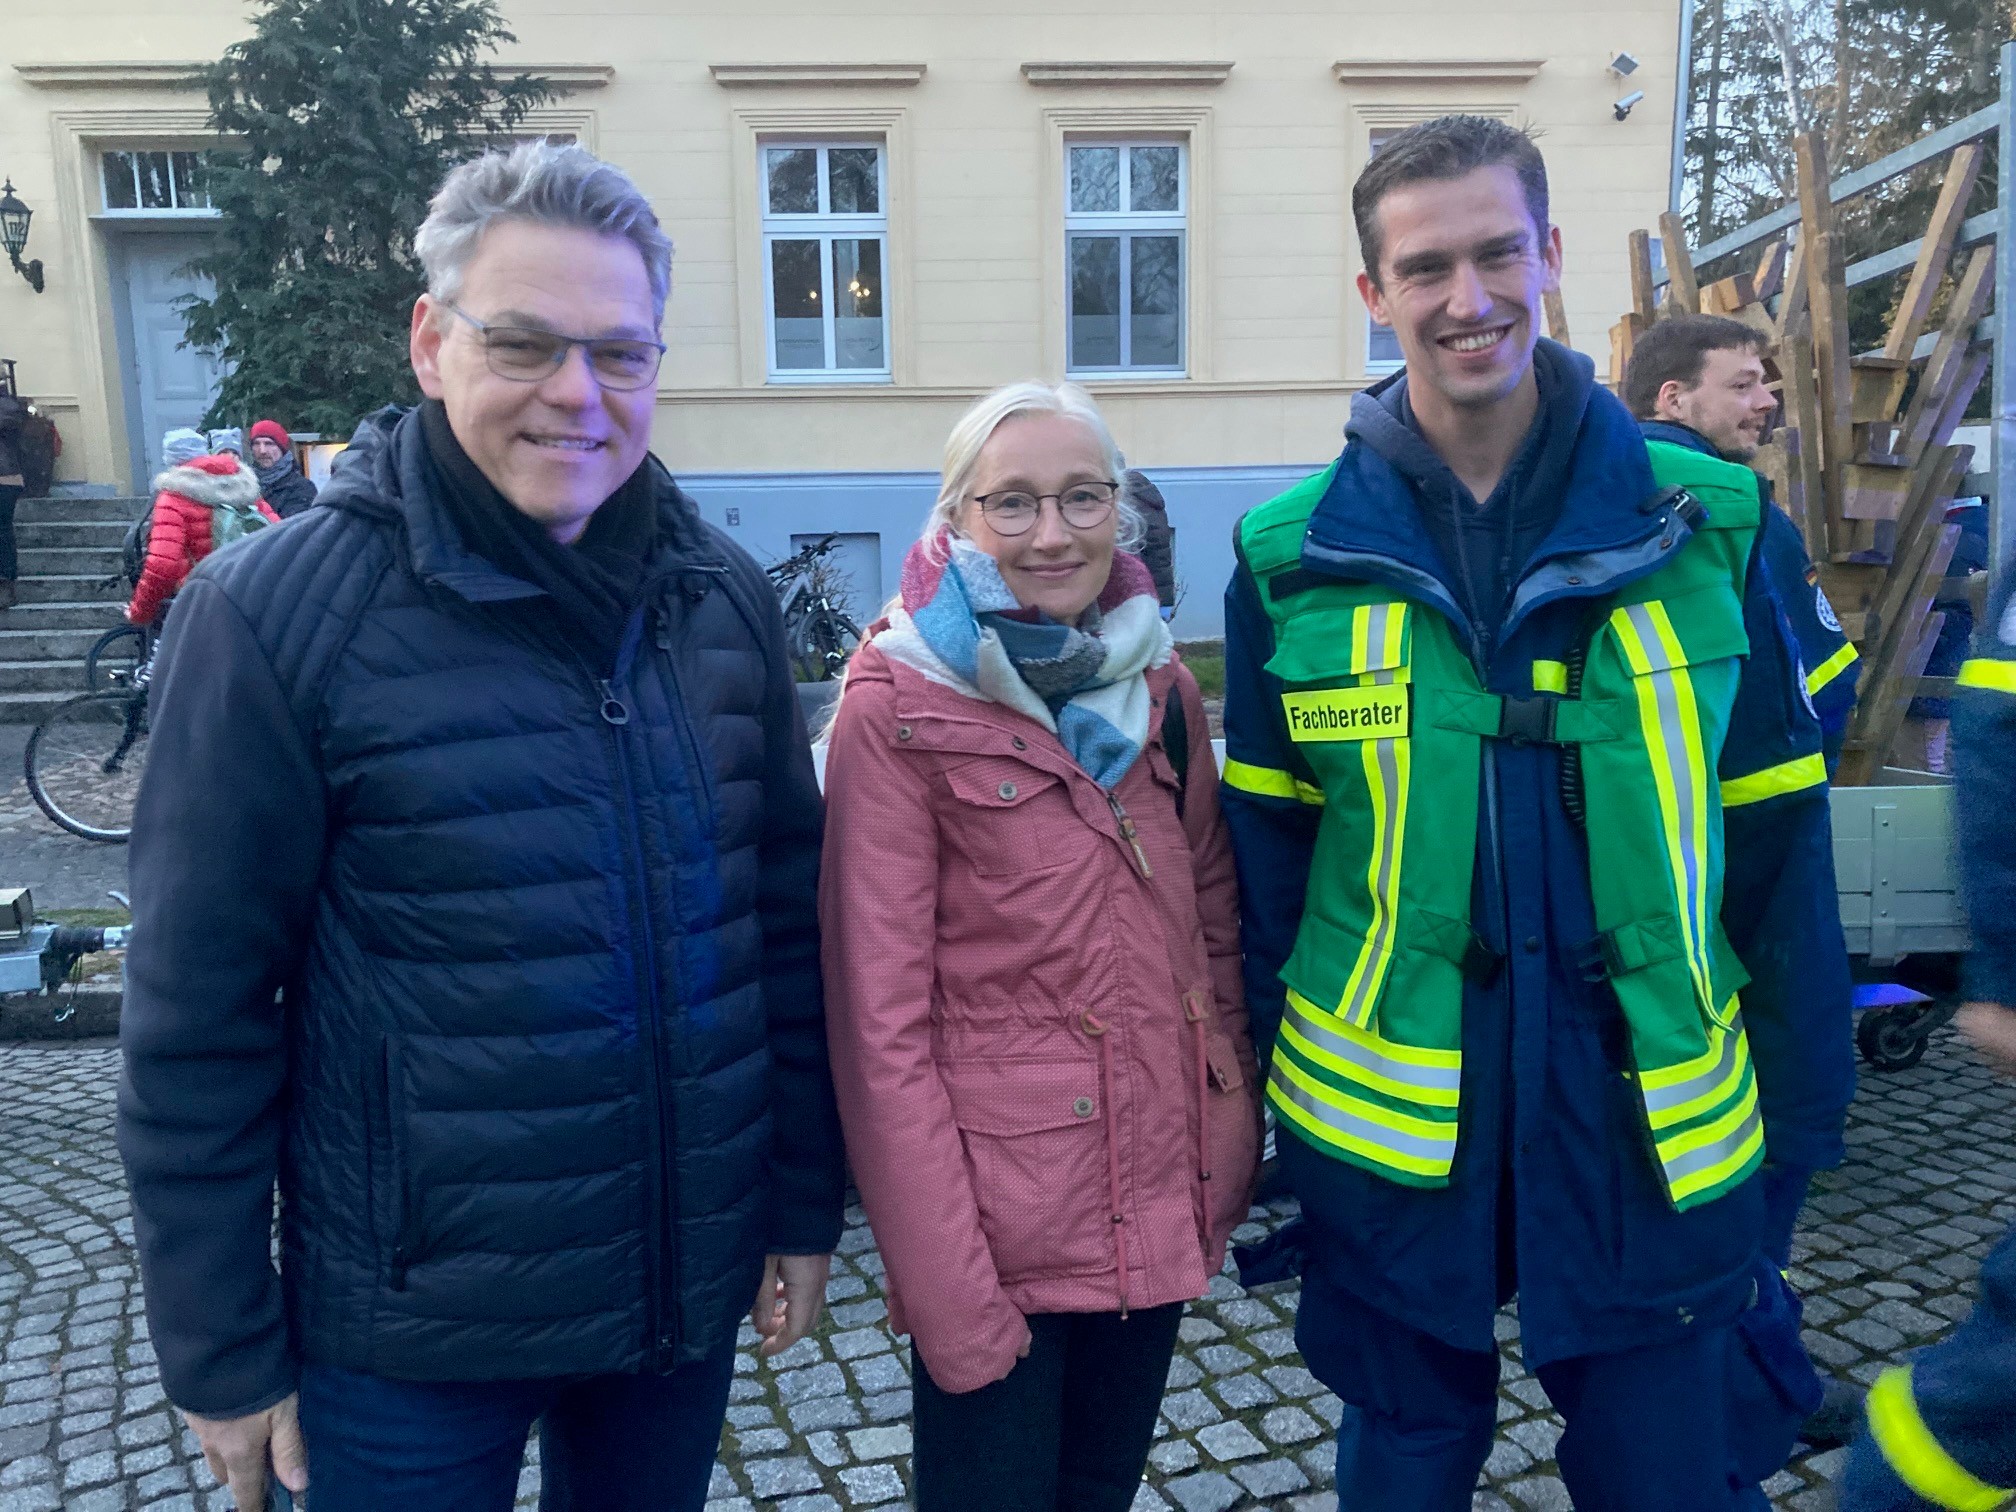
[547, 1074]
[1965, 1387]
[1827, 662]
[1601, 1260]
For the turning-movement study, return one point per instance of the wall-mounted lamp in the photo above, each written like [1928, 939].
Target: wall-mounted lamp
[1622, 109]
[1623, 65]
[14, 218]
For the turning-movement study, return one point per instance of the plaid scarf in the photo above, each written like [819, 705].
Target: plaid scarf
[960, 626]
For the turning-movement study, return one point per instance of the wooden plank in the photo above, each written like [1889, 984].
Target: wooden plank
[1802, 412]
[1918, 527]
[1972, 371]
[1914, 311]
[1866, 752]
[1770, 275]
[1874, 493]
[1774, 462]
[1623, 337]
[1679, 262]
[1557, 317]
[1644, 303]
[1794, 304]
[1827, 292]
[1728, 295]
[1949, 360]
[1875, 380]
[1876, 444]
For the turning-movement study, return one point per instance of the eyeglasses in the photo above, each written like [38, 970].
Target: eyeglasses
[525, 354]
[1011, 512]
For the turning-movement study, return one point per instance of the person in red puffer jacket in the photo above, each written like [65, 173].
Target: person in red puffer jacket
[192, 500]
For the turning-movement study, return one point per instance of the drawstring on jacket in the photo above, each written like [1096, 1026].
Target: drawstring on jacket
[1092, 1025]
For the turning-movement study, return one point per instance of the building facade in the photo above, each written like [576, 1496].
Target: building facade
[882, 212]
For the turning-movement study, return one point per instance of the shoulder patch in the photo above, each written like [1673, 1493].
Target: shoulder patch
[1825, 611]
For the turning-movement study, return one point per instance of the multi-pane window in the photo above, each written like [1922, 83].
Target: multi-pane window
[154, 181]
[825, 240]
[1125, 215]
[1382, 347]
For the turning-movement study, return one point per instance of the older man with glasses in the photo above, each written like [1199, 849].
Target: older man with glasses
[474, 871]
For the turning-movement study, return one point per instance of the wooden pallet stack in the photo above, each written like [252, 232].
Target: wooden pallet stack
[1864, 462]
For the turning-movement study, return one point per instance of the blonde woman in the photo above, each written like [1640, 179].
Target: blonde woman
[1032, 966]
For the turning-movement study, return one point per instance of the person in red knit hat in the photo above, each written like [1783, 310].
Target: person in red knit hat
[281, 482]
[199, 505]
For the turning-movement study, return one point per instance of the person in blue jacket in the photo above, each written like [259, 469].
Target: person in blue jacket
[1493, 459]
[1698, 381]
[1942, 1429]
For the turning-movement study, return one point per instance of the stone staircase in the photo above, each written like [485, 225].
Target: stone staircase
[69, 594]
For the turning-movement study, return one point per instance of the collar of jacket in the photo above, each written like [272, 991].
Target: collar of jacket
[213, 481]
[1368, 524]
[1680, 435]
[385, 473]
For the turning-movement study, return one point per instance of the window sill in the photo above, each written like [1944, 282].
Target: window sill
[827, 380]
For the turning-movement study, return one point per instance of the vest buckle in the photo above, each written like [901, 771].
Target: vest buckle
[1528, 720]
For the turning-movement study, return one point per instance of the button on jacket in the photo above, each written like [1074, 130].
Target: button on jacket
[549, 1074]
[1037, 1031]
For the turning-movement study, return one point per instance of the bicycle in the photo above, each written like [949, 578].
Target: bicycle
[819, 634]
[85, 758]
[117, 654]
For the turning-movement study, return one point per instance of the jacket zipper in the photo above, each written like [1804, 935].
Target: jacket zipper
[1131, 835]
[615, 714]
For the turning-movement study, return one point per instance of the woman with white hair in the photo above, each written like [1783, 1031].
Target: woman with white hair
[1031, 951]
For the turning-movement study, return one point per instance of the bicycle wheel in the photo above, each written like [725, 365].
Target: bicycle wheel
[114, 657]
[84, 762]
[834, 637]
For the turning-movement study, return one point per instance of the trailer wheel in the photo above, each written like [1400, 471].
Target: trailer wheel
[1892, 1039]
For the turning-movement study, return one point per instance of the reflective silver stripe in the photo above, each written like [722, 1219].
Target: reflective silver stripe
[1658, 1100]
[1687, 796]
[1433, 1151]
[1682, 1166]
[1369, 972]
[1425, 1078]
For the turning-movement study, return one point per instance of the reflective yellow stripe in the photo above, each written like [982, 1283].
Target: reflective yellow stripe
[1431, 1078]
[1995, 676]
[1268, 782]
[1788, 777]
[1689, 1099]
[1830, 669]
[1550, 677]
[1671, 723]
[1412, 1146]
[1389, 765]
[1717, 1157]
[1919, 1459]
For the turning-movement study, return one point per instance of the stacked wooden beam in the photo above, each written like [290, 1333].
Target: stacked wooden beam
[1863, 463]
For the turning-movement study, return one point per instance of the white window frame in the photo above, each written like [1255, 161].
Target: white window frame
[824, 227]
[136, 211]
[1127, 224]
[1379, 367]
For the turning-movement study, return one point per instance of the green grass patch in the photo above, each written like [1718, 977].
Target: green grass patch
[87, 918]
[1206, 661]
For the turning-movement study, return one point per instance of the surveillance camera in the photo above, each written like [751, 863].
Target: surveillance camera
[1623, 107]
[1623, 65]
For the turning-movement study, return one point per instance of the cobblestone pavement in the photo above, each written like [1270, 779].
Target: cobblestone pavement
[1886, 1261]
[62, 870]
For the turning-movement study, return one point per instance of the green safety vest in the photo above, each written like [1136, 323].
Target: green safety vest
[1383, 702]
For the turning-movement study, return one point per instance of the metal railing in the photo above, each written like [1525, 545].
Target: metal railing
[1996, 122]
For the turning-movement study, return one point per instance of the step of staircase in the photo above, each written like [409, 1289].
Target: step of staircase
[95, 616]
[70, 592]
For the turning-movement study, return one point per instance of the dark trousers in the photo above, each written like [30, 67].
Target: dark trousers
[1647, 1430]
[10, 563]
[1068, 1430]
[612, 1443]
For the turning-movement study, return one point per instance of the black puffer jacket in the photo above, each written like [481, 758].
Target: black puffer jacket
[550, 1076]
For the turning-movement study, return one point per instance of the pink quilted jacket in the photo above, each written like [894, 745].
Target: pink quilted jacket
[1047, 1087]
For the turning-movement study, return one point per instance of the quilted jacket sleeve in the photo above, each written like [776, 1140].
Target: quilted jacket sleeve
[224, 883]
[878, 902]
[168, 543]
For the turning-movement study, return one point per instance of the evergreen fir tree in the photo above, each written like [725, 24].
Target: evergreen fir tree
[344, 115]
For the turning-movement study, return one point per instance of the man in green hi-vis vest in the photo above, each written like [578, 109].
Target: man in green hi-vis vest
[1537, 884]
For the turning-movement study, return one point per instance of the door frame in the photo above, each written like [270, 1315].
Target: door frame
[118, 233]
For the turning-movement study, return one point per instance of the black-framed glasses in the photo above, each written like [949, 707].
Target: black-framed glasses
[1010, 512]
[525, 354]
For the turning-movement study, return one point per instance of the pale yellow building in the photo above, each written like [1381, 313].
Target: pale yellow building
[884, 209]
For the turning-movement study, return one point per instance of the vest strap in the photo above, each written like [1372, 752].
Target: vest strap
[1527, 719]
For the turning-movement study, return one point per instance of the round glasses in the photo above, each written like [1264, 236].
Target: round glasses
[1010, 512]
[525, 354]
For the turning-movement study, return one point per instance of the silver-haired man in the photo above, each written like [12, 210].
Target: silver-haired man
[474, 873]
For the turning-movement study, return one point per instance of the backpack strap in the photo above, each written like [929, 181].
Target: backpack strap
[1176, 742]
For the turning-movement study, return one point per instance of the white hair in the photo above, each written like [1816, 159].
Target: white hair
[969, 437]
[552, 185]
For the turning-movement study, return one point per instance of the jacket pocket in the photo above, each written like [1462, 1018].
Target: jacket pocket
[1231, 1138]
[405, 1209]
[1035, 1139]
[1011, 819]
